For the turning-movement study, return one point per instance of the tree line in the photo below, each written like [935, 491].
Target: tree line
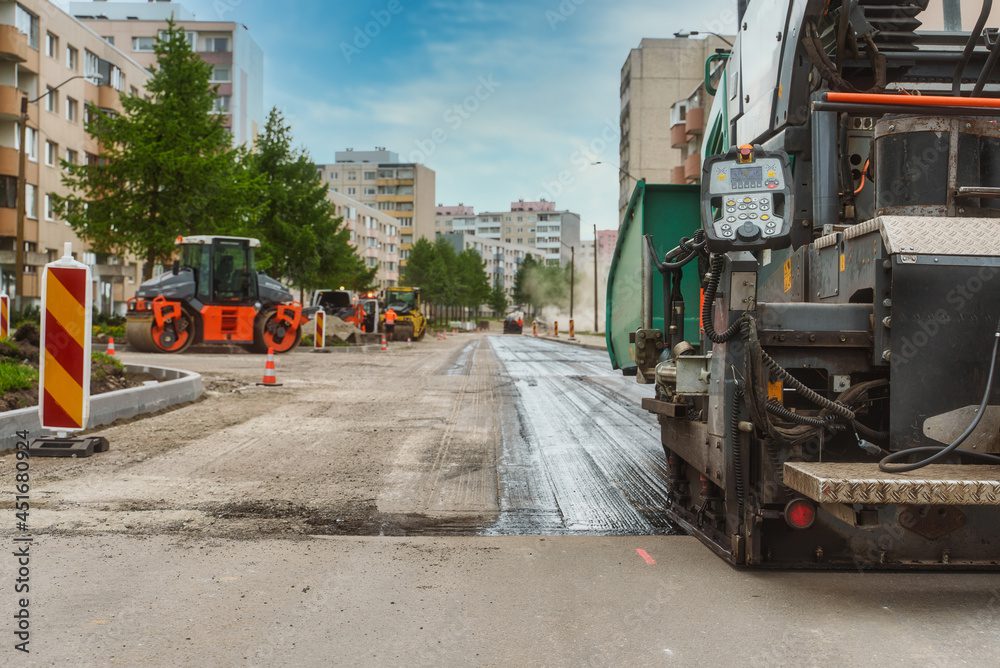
[168, 168]
[448, 278]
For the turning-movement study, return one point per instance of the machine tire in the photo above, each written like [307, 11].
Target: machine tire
[262, 340]
[144, 338]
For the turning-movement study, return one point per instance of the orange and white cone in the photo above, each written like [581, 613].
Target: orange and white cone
[111, 346]
[270, 379]
[385, 346]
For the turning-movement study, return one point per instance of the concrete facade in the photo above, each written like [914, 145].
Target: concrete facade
[501, 260]
[237, 61]
[42, 47]
[655, 75]
[537, 225]
[405, 191]
[375, 236]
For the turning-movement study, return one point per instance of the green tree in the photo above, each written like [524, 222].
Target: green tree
[301, 238]
[521, 293]
[167, 167]
[498, 299]
[472, 287]
[417, 270]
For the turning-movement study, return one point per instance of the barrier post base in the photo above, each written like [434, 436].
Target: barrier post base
[63, 446]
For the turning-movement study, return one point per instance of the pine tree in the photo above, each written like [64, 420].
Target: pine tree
[301, 238]
[167, 168]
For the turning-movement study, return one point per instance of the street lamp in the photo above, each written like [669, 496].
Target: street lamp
[690, 33]
[600, 162]
[22, 185]
[572, 275]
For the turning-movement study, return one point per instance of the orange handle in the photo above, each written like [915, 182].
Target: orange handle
[914, 100]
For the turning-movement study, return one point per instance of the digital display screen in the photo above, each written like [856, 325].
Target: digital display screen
[744, 178]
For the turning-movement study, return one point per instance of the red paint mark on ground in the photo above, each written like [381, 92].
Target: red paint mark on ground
[645, 556]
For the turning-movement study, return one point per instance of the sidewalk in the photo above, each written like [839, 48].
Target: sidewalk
[591, 341]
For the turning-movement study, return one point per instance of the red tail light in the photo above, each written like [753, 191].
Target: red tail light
[800, 513]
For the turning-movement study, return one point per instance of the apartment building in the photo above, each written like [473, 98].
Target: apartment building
[501, 260]
[61, 66]
[655, 75]
[237, 61]
[535, 224]
[375, 236]
[405, 191]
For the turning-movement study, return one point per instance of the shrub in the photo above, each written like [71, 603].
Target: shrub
[15, 376]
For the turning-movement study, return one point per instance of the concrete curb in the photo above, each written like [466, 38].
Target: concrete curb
[174, 387]
[588, 346]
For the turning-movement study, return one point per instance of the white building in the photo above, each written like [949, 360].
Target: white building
[375, 236]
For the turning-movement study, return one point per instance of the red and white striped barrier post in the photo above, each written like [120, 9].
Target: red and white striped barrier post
[320, 334]
[385, 345]
[64, 363]
[4, 316]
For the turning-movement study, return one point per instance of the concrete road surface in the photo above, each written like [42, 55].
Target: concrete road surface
[482, 500]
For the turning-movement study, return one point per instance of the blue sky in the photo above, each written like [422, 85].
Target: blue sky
[499, 97]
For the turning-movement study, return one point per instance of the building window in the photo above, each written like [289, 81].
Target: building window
[369, 176]
[117, 79]
[221, 104]
[52, 100]
[72, 157]
[31, 201]
[369, 191]
[31, 135]
[220, 75]
[49, 212]
[91, 65]
[27, 23]
[8, 192]
[217, 44]
[51, 45]
[51, 153]
[143, 43]
[350, 191]
[109, 39]
[133, 91]
[72, 58]
[191, 37]
[72, 110]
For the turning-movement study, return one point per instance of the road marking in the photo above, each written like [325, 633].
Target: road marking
[645, 556]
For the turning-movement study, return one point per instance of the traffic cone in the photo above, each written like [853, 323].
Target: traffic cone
[270, 379]
[111, 346]
[385, 346]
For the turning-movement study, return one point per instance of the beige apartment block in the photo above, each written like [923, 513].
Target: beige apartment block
[45, 53]
[656, 74]
[375, 236]
[236, 59]
[405, 191]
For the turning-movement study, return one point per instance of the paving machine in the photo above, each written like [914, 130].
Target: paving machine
[818, 321]
[214, 295]
[410, 321]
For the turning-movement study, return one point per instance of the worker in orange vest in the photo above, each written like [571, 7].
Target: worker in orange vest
[390, 322]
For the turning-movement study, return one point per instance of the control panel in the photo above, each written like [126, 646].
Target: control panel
[747, 200]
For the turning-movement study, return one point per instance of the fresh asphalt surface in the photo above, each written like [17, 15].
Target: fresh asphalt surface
[482, 500]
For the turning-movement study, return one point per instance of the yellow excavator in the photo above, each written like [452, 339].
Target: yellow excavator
[410, 321]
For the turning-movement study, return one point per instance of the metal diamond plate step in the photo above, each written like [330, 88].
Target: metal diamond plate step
[937, 484]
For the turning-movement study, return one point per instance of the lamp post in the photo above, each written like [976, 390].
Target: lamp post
[572, 275]
[22, 186]
[596, 327]
[692, 33]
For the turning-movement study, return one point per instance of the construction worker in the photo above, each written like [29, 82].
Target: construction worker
[390, 322]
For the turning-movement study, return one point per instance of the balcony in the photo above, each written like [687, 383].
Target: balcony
[108, 98]
[10, 103]
[692, 168]
[394, 182]
[13, 44]
[677, 175]
[8, 225]
[695, 121]
[678, 135]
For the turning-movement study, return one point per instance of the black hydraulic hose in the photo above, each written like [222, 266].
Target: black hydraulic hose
[707, 320]
[977, 31]
[889, 465]
[737, 441]
[775, 408]
[805, 391]
[987, 70]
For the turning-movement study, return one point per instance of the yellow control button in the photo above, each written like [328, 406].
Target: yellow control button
[747, 200]
[731, 203]
[771, 174]
[765, 217]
